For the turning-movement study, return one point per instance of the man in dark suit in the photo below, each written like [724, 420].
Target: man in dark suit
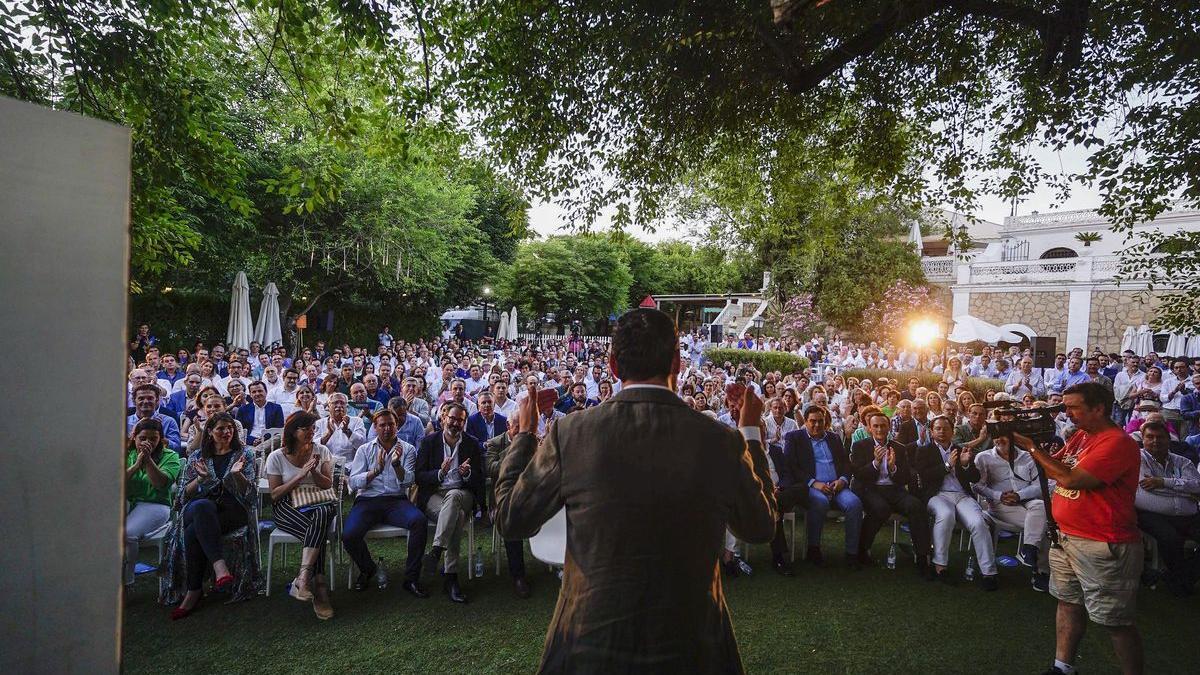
[819, 462]
[487, 423]
[652, 485]
[881, 480]
[449, 472]
[259, 415]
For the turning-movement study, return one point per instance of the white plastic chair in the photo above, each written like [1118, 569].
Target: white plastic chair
[377, 532]
[549, 545]
[283, 539]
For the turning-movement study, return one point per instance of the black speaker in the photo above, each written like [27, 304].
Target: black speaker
[715, 333]
[1043, 349]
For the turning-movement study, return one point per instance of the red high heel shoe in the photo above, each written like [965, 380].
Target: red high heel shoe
[224, 583]
[181, 613]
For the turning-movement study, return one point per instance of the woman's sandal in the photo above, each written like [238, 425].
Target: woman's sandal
[302, 594]
[321, 606]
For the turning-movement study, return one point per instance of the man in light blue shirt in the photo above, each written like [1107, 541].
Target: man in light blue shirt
[145, 404]
[380, 475]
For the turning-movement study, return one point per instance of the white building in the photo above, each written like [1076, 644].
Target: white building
[1032, 275]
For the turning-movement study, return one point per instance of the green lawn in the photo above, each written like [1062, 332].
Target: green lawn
[831, 620]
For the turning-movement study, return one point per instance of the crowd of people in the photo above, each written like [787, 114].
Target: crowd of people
[414, 431]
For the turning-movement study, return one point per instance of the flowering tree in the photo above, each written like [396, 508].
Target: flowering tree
[799, 319]
[889, 315]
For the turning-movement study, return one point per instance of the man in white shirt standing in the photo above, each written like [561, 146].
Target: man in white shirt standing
[1125, 384]
[1176, 383]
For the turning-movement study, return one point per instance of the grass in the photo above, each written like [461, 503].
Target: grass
[830, 621]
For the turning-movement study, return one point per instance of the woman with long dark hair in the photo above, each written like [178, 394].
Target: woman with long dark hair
[150, 470]
[219, 498]
[302, 462]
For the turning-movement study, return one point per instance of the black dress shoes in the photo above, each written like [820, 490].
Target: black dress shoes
[452, 589]
[415, 589]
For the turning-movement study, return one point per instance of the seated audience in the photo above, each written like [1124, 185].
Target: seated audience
[151, 468]
[1166, 506]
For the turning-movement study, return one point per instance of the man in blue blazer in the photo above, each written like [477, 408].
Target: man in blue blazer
[487, 423]
[818, 460]
[258, 415]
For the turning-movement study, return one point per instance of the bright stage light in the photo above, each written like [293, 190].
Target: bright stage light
[923, 332]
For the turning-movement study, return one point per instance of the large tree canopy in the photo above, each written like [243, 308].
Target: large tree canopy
[618, 102]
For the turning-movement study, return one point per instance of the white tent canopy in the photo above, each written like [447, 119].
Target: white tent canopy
[502, 330]
[971, 329]
[1128, 338]
[1176, 345]
[238, 335]
[1193, 347]
[1143, 342]
[267, 331]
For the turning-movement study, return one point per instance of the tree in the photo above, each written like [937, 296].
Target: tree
[643, 93]
[574, 278]
[900, 303]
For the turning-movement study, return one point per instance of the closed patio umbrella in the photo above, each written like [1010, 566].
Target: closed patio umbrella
[267, 330]
[502, 330]
[1193, 347]
[238, 335]
[1144, 342]
[1176, 345]
[512, 323]
[1127, 340]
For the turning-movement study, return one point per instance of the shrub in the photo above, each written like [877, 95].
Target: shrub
[975, 385]
[763, 361]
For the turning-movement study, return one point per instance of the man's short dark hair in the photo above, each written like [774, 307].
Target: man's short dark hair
[644, 344]
[1093, 393]
[147, 387]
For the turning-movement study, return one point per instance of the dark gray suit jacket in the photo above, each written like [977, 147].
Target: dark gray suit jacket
[650, 486]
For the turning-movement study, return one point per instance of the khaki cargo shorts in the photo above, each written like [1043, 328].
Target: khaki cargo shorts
[1100, 576]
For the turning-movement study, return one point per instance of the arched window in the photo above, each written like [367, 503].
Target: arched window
[1060, 252]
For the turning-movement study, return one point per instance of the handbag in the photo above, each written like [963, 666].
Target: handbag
[310, 495]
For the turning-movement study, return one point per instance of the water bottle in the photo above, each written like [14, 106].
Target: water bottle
[381, 577]
[744, 567]
[970, 575]
[478, 561]
[891, 559]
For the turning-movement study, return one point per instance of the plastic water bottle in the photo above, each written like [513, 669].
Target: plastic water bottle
[744, 567]
[381, 577]
[891, 559]
[970, 575]
[478, 561]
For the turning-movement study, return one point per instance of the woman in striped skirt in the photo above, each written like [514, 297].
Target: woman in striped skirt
[299, 462]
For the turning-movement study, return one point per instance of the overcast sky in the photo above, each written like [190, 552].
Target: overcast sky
[547, 219]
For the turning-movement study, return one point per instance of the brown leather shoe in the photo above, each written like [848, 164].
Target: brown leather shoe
[521, 588]
[321, 606]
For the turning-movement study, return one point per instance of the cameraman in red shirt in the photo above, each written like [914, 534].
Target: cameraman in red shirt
[1096, 567]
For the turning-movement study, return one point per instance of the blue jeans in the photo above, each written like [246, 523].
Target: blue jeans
[818, 508]
[368, 512]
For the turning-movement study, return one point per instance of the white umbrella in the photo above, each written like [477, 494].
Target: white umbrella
[1176, 345]
[1193, 347]
[971, 329]
[1143, 342]
[513, 326]
[1128, 338]
[238, 334]
[914, 236]
[267, 331]
[502, 330]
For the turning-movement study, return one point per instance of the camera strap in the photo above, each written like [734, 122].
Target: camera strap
[1051, 524]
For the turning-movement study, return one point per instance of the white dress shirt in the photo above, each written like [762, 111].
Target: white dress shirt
[343, 442]
[1180, 490]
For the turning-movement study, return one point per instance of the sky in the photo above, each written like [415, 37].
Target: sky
[548, 219]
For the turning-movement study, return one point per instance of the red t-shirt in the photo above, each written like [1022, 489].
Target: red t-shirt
[1105, 514]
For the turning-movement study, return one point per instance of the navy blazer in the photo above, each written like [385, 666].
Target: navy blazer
[429, 463]
[245, 415]
[802, 463]
[477, 428]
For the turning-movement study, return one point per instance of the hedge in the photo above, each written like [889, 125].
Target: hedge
[975, 385]
[763, 361]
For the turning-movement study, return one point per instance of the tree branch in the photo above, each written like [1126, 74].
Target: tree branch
[318, 296]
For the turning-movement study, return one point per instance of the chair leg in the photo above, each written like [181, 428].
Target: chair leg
[470, 548]
[270, 563]
[793, 541]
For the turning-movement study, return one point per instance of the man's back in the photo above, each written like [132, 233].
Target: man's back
[649, 486]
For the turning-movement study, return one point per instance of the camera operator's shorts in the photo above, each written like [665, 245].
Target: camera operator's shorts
[1102, 577]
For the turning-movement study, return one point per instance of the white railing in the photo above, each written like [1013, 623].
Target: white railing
[938, 268]
[1097, 268]
[550, 337]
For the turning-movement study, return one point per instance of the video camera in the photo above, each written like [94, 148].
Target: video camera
[1036, 423]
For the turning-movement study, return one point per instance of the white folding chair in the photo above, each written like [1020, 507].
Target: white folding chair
[549, 545]
[377, 532]
[282, 539]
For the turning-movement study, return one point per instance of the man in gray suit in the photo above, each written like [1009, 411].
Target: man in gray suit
[650, 486]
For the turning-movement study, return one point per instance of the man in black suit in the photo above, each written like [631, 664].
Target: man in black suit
[881, 480]
[818, 461]
[450, 477]
[259, 415]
